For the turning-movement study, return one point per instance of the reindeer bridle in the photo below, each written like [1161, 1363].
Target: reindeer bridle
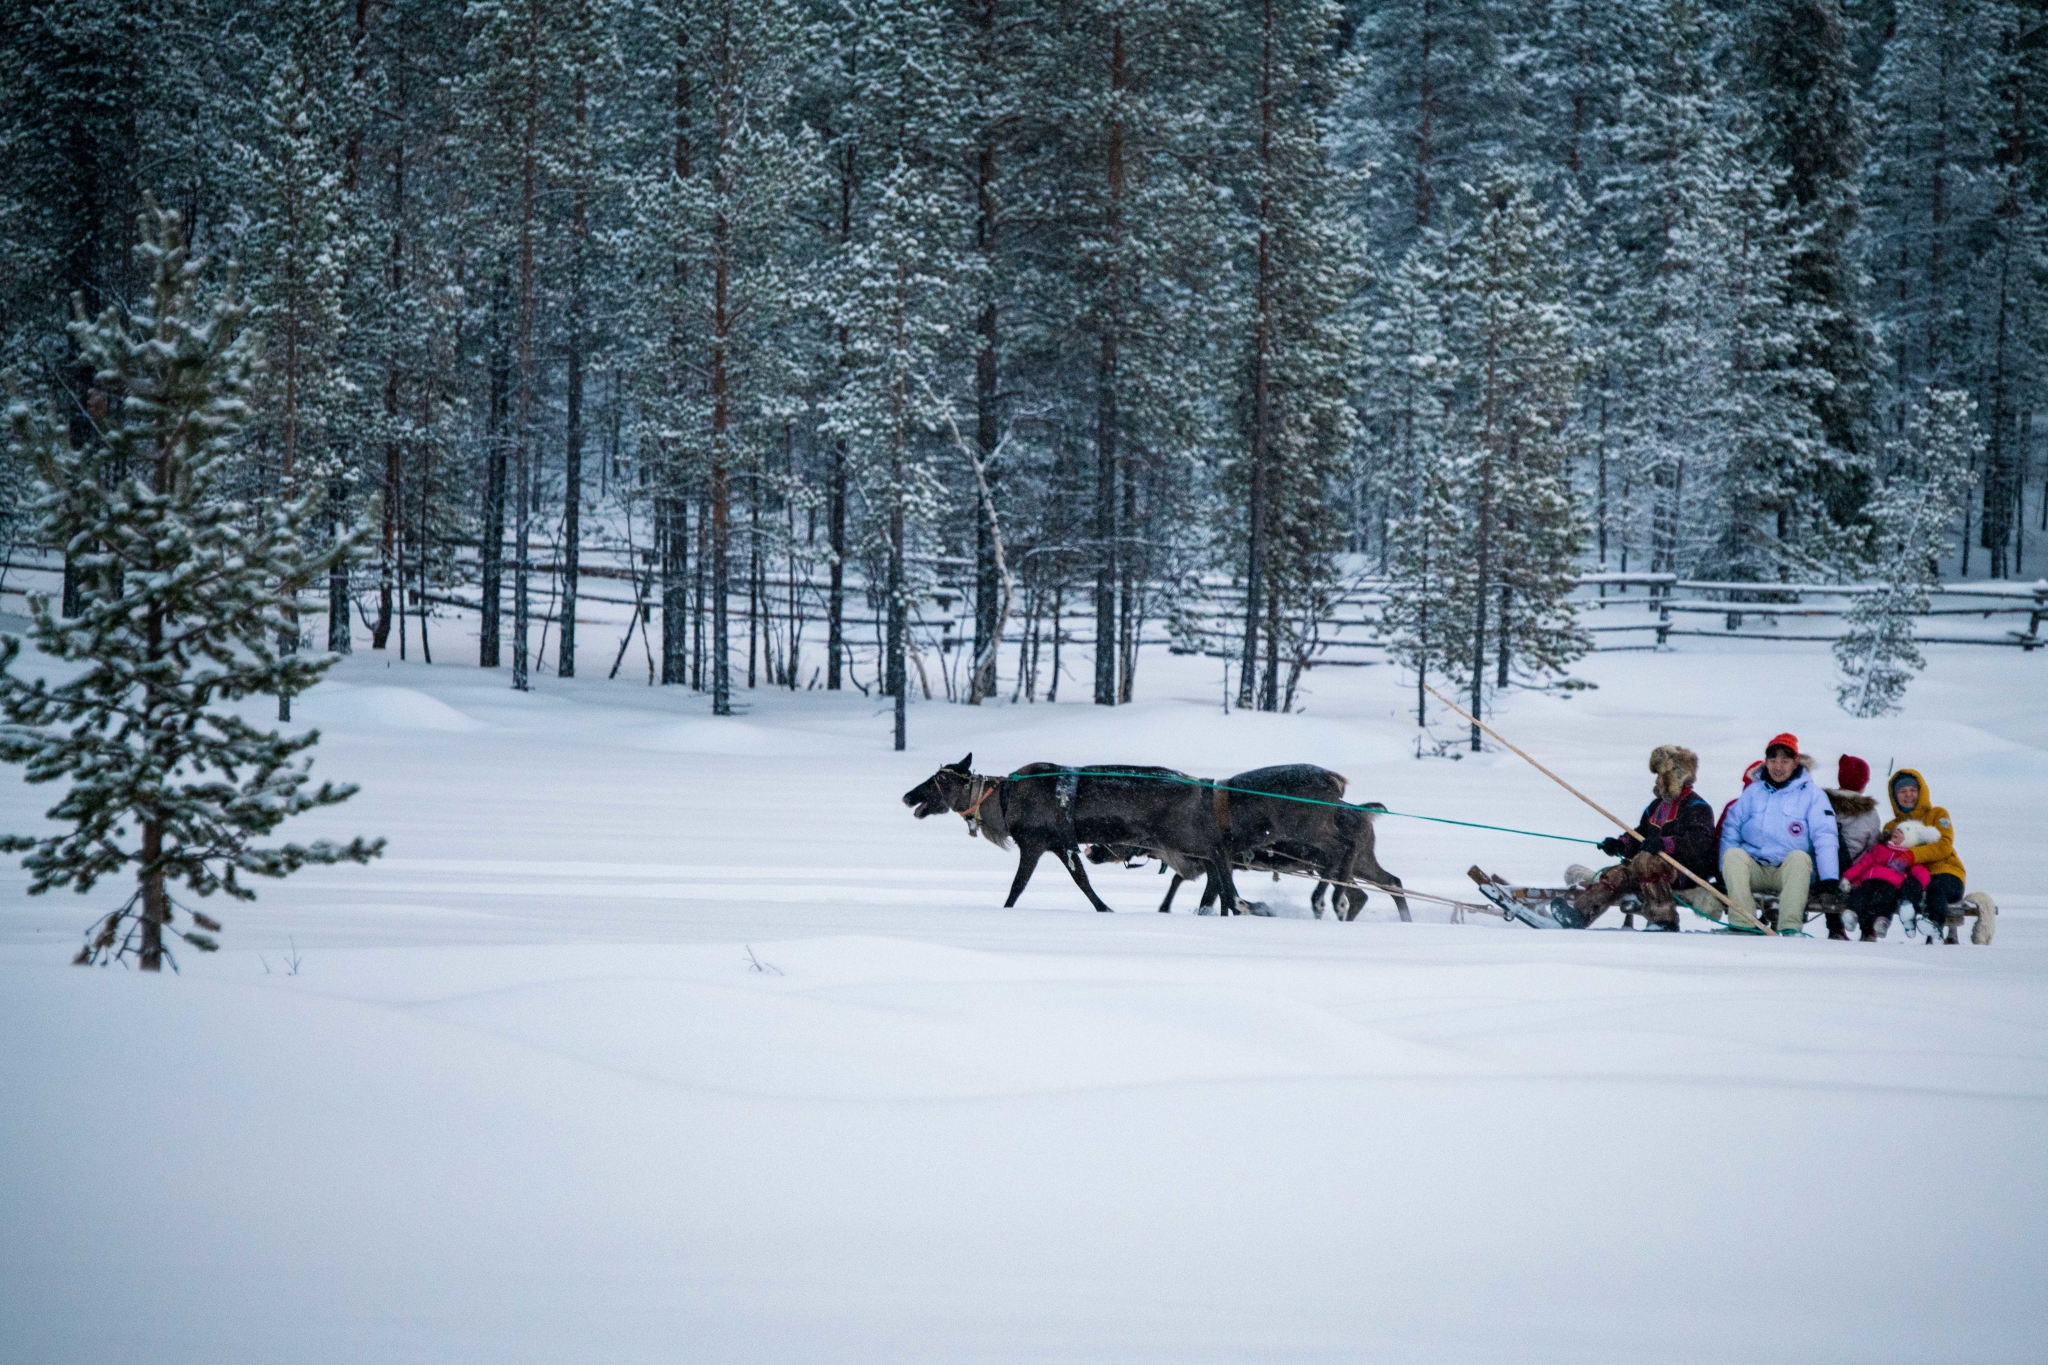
[984, 787]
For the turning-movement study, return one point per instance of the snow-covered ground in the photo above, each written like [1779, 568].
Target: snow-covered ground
[664, 1038]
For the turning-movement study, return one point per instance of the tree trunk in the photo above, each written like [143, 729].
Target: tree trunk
[340, 629]
[156, 902]
[1262, 341]
[387, 540]
[698, 629]
[1105, 523]
[987, 585]
[1269, 685]
[529, 201]
[754, 622]
[492, 552]
[389, 575]
[1128, 624]
[899, 625]
[1480, 593]
[572, 436]
[674, 513]
[672, 502]
[835, 605]
[422, 552]
[723, 174]
[289, 329]
[1106, 387]
[835, 602]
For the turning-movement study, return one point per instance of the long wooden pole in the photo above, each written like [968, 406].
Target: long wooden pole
[1625, 827]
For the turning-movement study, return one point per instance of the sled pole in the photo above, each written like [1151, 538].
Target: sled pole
[1623, 825]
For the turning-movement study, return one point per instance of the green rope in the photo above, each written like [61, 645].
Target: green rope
[1304, 800]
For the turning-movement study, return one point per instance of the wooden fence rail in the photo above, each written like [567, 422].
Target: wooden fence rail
[1213, 605]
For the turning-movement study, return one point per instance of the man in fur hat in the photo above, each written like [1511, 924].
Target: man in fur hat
[1678, 821]
[1779, 837]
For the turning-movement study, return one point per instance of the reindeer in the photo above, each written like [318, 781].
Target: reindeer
[1045, 808]
[1317, 833]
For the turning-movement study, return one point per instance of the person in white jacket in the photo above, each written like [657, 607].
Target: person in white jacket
[1780, 836]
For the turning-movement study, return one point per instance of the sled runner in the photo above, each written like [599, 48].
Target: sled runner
[1539, 907]
[1549, 907]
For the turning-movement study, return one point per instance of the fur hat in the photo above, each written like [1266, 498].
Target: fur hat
[1913, 834]
[1675, 767]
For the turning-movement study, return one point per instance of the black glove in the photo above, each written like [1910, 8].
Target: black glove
[1614, 848]
[1827, 887]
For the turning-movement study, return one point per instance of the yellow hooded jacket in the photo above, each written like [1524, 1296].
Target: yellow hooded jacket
[1939, 856]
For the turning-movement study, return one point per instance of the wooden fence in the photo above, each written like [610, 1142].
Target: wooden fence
[1205, 616]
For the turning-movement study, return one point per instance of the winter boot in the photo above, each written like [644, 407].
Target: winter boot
[1835, 928]
[1955, 922]
[1875, 927]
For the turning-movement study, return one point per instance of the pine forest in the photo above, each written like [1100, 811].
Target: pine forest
[790, 326]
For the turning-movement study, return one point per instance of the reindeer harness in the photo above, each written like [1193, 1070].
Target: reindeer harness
[972, 815]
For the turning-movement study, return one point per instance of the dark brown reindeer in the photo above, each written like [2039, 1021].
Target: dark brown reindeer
[1045, 808]
[1315, 833]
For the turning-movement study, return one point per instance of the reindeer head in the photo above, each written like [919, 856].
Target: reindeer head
[948, 789]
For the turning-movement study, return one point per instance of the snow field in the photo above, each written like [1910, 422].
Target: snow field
[528, 1097]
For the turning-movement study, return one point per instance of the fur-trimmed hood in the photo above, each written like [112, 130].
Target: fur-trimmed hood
[1674, 767]
[1848, 805]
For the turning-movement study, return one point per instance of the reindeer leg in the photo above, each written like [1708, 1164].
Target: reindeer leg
[1315, 900]
[1375, 873]
[1027, 859]
[1400, 901]
[1219, 870]
[1166, 906]
[1071, 856]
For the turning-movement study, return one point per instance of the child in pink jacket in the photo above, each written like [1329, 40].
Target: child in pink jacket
[1885, 875]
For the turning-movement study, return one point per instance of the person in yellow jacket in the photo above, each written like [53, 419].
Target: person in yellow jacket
[1911, 801]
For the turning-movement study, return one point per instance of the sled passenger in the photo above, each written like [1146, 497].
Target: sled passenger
[1856, 820]
[1885, 875]
[1910, 802]
[1678, 821]
[1779, 837]
[1749, 775]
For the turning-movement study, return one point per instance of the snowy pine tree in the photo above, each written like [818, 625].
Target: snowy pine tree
[182, 605]
[896, 289]
[1411, 380]
[1511, 448]
[296, 262]
[1910, 516]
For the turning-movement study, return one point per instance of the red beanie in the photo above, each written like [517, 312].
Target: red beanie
[1852, 774]
[1790, 741]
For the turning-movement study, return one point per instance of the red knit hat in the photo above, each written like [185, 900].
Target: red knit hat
[1852, 774]
[1790, 741]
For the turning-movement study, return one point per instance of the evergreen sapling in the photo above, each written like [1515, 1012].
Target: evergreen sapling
[183, 607]
[1910, 515]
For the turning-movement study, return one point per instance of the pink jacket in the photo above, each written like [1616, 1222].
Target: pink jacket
[1886, 864]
